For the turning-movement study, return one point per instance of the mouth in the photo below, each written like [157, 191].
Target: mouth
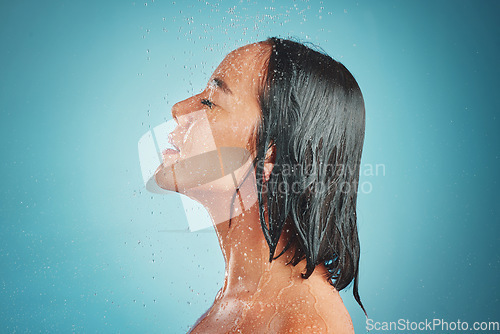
[172, 145]
[171, 150]
[170, 157]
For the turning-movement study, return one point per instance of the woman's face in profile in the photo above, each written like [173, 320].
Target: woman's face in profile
[225, 114]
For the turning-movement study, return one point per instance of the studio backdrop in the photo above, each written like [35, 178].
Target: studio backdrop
[86, 246]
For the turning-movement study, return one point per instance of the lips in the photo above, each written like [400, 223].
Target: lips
[173, 148]
[173, 145]
[170, 151]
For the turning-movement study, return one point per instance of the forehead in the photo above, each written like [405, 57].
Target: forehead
[244, 65]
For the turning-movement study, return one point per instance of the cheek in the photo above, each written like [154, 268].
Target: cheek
[199, 138]
[233, 130]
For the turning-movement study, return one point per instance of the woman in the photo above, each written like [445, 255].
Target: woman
[283, 200]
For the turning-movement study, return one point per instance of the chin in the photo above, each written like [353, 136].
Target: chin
[164, 177]
[215, 173]
[185, 177]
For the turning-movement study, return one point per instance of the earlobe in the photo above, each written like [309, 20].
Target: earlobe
[269, 162]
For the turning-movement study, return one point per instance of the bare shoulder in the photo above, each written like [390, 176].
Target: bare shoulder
[307, 306]
[282, 320]
[312, 310]
[319, 319]
[313, 328]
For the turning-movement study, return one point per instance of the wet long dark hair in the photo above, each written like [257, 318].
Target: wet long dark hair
[313, 116]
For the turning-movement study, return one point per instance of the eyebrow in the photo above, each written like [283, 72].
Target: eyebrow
[217, 82]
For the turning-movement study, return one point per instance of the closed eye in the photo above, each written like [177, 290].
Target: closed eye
[208, 103]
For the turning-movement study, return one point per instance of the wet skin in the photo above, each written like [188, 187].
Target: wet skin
[258, 296]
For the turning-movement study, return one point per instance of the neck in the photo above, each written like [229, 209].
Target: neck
[245, 250]
[246, 256]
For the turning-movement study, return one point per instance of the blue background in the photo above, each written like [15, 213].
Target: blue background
[84, 248]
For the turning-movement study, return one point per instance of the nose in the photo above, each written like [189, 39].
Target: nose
[176, 111]
[182, 109]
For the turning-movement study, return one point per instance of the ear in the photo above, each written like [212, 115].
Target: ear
[269, 162]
